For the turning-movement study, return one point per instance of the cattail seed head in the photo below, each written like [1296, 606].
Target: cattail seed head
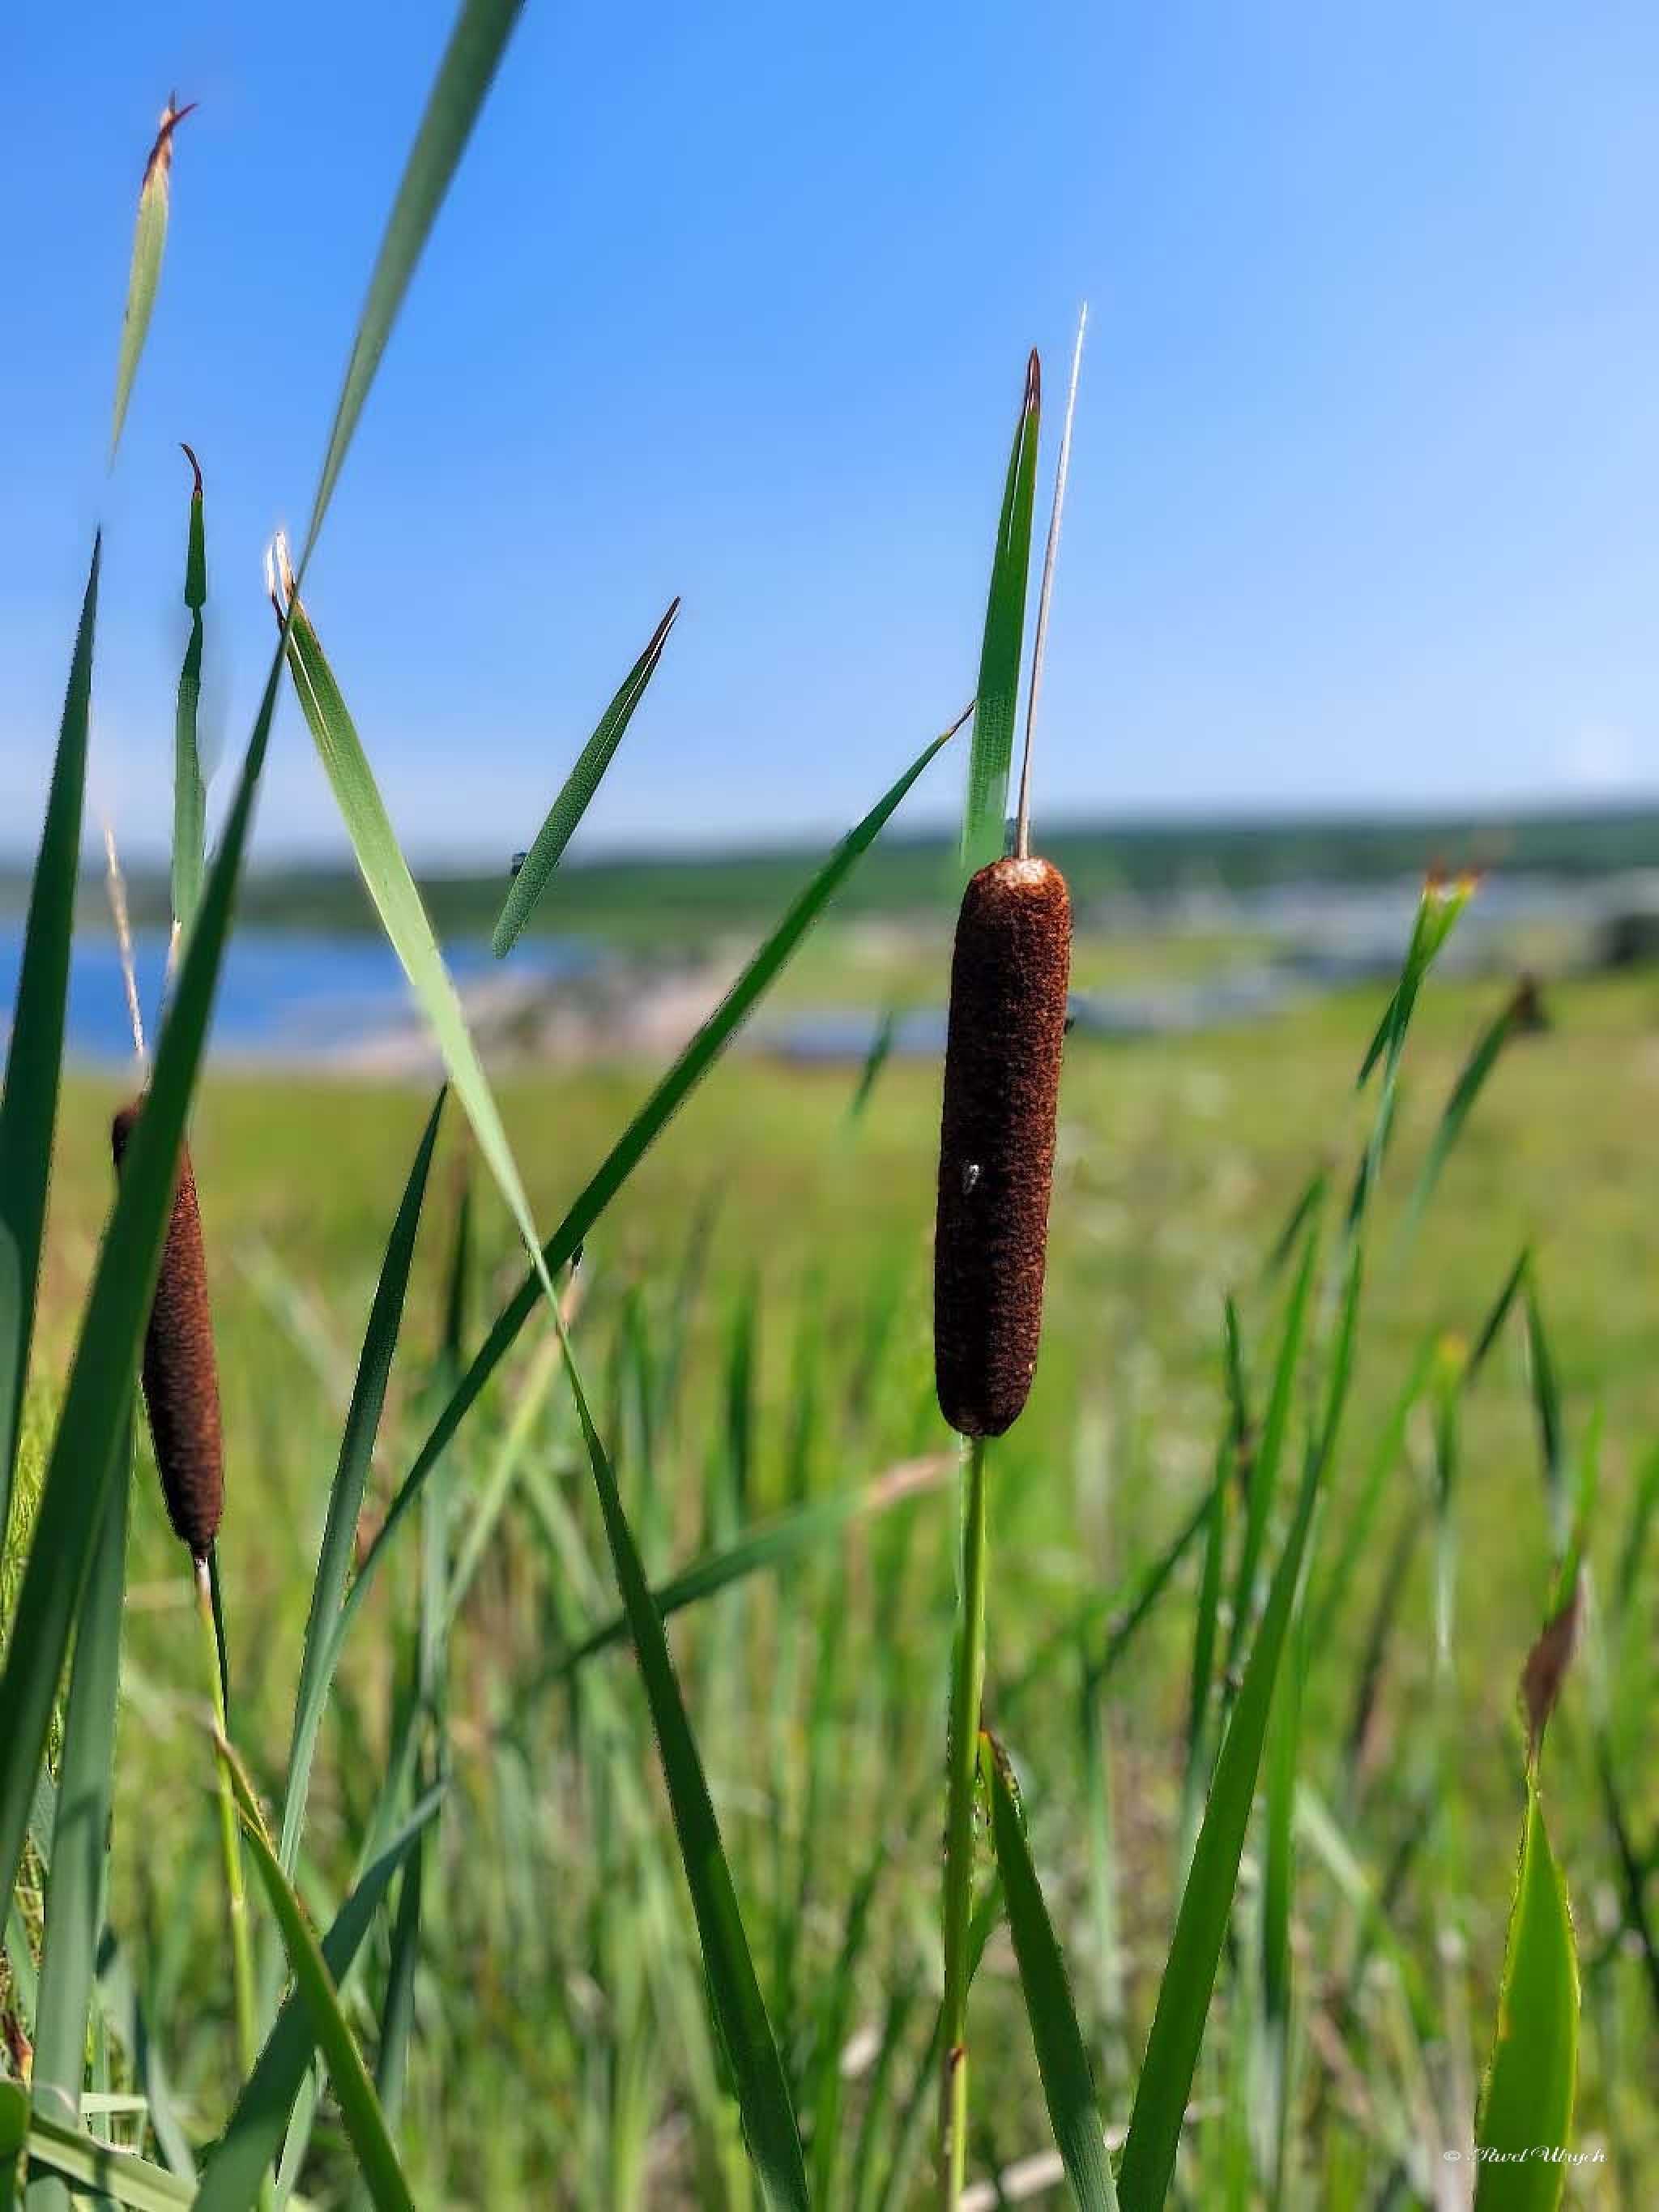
[1008, 987]
[180, 1374]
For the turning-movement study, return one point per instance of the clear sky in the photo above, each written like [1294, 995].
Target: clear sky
[734, 301]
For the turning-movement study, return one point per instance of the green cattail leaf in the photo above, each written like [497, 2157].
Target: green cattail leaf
[360, 2108]
[75, 1878]
[1527, 2106]
[624, 1155]
[116, 2177]
[91, 1423]
[346, 1495]
[572, 802]
[253, 2134]
[985, 815]
[1183, 1998]
[189, 785]
[148, 241]
[390, 885]
[14, 2133]
[1068, 2086]
[751, 2048]
[469, 65]
[29, 1104]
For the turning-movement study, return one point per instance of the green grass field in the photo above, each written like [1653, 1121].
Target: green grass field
[561, 2049]
[536, 1793]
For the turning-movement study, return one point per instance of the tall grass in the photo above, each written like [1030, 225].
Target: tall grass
[611, 1938]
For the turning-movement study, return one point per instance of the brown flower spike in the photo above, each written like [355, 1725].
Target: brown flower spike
[181, 1377]
[1008, 988]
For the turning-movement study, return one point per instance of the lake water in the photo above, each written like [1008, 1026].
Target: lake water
[294, 993]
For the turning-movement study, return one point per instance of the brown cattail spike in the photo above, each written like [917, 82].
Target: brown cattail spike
[1008, 985]
[181, 1378]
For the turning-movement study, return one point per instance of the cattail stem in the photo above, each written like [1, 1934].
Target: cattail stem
[962, 1759]
[230, 1837]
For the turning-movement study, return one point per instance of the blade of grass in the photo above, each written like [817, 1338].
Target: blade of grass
[1547, 1405]
[1068, 2086]
[189, 785]
[1493, 1327]
[681, 1078]
[253, 2134]
[1264, 1463]
[13, 2134]
[1183, 1998]
[93, 2168]
[881, 1047]
[149, 239]
[985, 815]
[360, 2108]
[572, 802]
[469, 65]
[396, 901]
[1529, 2098]
[767, 1544]
[28, 1102]
[346, 1495]
[1465, 1092]
[84, 1450]
[75, 1879]
[751, 2051]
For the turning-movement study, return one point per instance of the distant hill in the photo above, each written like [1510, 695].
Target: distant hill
[654, 897]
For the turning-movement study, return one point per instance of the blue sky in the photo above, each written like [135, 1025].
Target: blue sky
[734, 301]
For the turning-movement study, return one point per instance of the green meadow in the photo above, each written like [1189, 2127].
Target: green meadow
[616, 1747]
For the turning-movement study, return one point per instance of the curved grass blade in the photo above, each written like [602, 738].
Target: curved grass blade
[1264, 1465]
[751, 2051]
[625, 1155]
[469, 65]
[346, 1497]
[881, 1047]
[1465, 1092]
[768, 1544]
[1183, 1997]
[93, 2168]
[1068, 2086]
[985, 815]
[1528, 2102]
[396, 901]
[74, 1880]
[572, 802]
[1125, 1612]
[360, 2108]
[28, 1103]
[253, 2134]
[189, 785]
[149, 239]
[130, 2027]
[1491, 1328]
[91, 1421]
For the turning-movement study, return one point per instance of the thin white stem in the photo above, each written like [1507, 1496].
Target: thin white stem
[1023, 828]
[117, 907]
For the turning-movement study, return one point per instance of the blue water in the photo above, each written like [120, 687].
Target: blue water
[294, 993]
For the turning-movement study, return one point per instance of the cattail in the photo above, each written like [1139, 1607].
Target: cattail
[181, 1380]
[1008, 987]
